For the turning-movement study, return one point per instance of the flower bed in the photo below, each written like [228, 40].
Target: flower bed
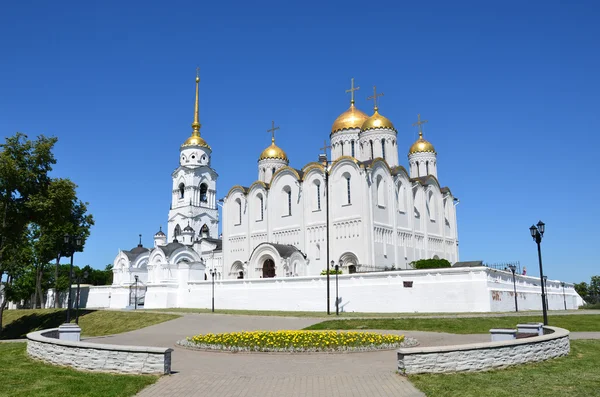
[294, 341]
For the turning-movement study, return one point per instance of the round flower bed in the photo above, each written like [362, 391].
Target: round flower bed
[294, 341]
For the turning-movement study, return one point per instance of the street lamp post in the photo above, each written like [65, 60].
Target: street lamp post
[562, 284]
[72, 242]
[512, 269]
[323, 158]
[213, 273]
[546, 288]
[136, 283]
[83, 276]
[537, 232]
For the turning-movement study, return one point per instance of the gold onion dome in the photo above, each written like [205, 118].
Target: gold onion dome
[377, 121]
[351, 118]
[196, 139]
[421, 146]
[273, 152]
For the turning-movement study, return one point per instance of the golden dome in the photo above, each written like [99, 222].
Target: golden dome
[351, 118]
[377, 121]
[273, 152]
[421, 146]
[195, 140]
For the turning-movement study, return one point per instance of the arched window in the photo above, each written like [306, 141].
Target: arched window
[181, 190]
[342, 145]
[372, 156]
[380, 191]
[318, 194]
[239, 207]
[352, 147]
[203, 191]
[431, 206]
[261, 207]
[401, 197]
[272, 172]
[417, 165]
[287, 195]
[348, 191]
[427, 167]
[383, 148]
[177, 231]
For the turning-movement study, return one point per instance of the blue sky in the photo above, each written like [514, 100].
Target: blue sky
[510, 90]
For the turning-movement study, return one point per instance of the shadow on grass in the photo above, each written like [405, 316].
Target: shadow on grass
[20, 327]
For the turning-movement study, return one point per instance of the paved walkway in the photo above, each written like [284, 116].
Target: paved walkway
[198, 373]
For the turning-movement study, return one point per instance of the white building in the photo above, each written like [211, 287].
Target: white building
[380, 214]
[274, 243]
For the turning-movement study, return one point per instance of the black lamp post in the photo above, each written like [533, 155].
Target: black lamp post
[213, 273]
[512, 269]
[546, 288]
[72, 242]
[135, 296]
[337, 299]
[537, 232]
[562, 284]
[80, 277]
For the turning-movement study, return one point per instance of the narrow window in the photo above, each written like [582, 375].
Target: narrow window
[289, 196]
[177, 231]
[383, 148]
[272, 172]
[427, 167]
[239, 205]
[318, 196]
[372, 157]
[203, 190]
[262, 207]
[342, 145]
[181, 190]
[348, 188]
[418, 173]
[352, 147]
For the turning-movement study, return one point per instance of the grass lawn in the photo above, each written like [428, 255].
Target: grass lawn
[325, 315]
[17, 323]
[21, 376]
[576, 375]
[470, 325]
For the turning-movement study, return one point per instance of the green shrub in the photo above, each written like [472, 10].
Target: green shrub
[430, 263]
[331, 271]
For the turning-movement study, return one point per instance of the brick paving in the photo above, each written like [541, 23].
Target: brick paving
[220, 374]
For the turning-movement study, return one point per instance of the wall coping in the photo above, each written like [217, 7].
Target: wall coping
[38, 336]
[557, 333]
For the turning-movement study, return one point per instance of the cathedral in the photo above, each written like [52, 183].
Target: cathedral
[358, 209]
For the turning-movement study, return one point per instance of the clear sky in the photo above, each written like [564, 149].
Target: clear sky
[510, 89]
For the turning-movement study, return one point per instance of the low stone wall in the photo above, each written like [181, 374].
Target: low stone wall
[45, 346]
[483, 356]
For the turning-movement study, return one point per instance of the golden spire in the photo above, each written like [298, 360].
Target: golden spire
[374, 97]
[420, 123]
[272, 131]
[196, 124]
[195, 139]
[351, 91]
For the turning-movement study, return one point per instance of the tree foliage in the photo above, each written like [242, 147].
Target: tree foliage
[430, 263]
[36, 211]
[589, 292]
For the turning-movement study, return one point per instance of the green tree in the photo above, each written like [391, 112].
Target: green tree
[430, 263]
[582, 289]
[24, 168]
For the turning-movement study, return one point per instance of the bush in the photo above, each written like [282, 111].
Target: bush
[331, 271]
[430, 264]
[591, 306]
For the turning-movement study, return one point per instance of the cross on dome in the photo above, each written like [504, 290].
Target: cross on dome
[420, 124]
[351, 90]
[272, 130]
[374, 97]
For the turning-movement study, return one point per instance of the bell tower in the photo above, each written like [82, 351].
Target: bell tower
[193, 200]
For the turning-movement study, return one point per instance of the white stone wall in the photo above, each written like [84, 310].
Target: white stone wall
[484, 356]
[432, 291]
[44, 346]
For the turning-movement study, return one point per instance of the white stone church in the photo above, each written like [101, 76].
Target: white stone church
[374, 212]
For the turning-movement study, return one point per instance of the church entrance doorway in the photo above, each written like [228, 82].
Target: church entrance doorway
[268, 268]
